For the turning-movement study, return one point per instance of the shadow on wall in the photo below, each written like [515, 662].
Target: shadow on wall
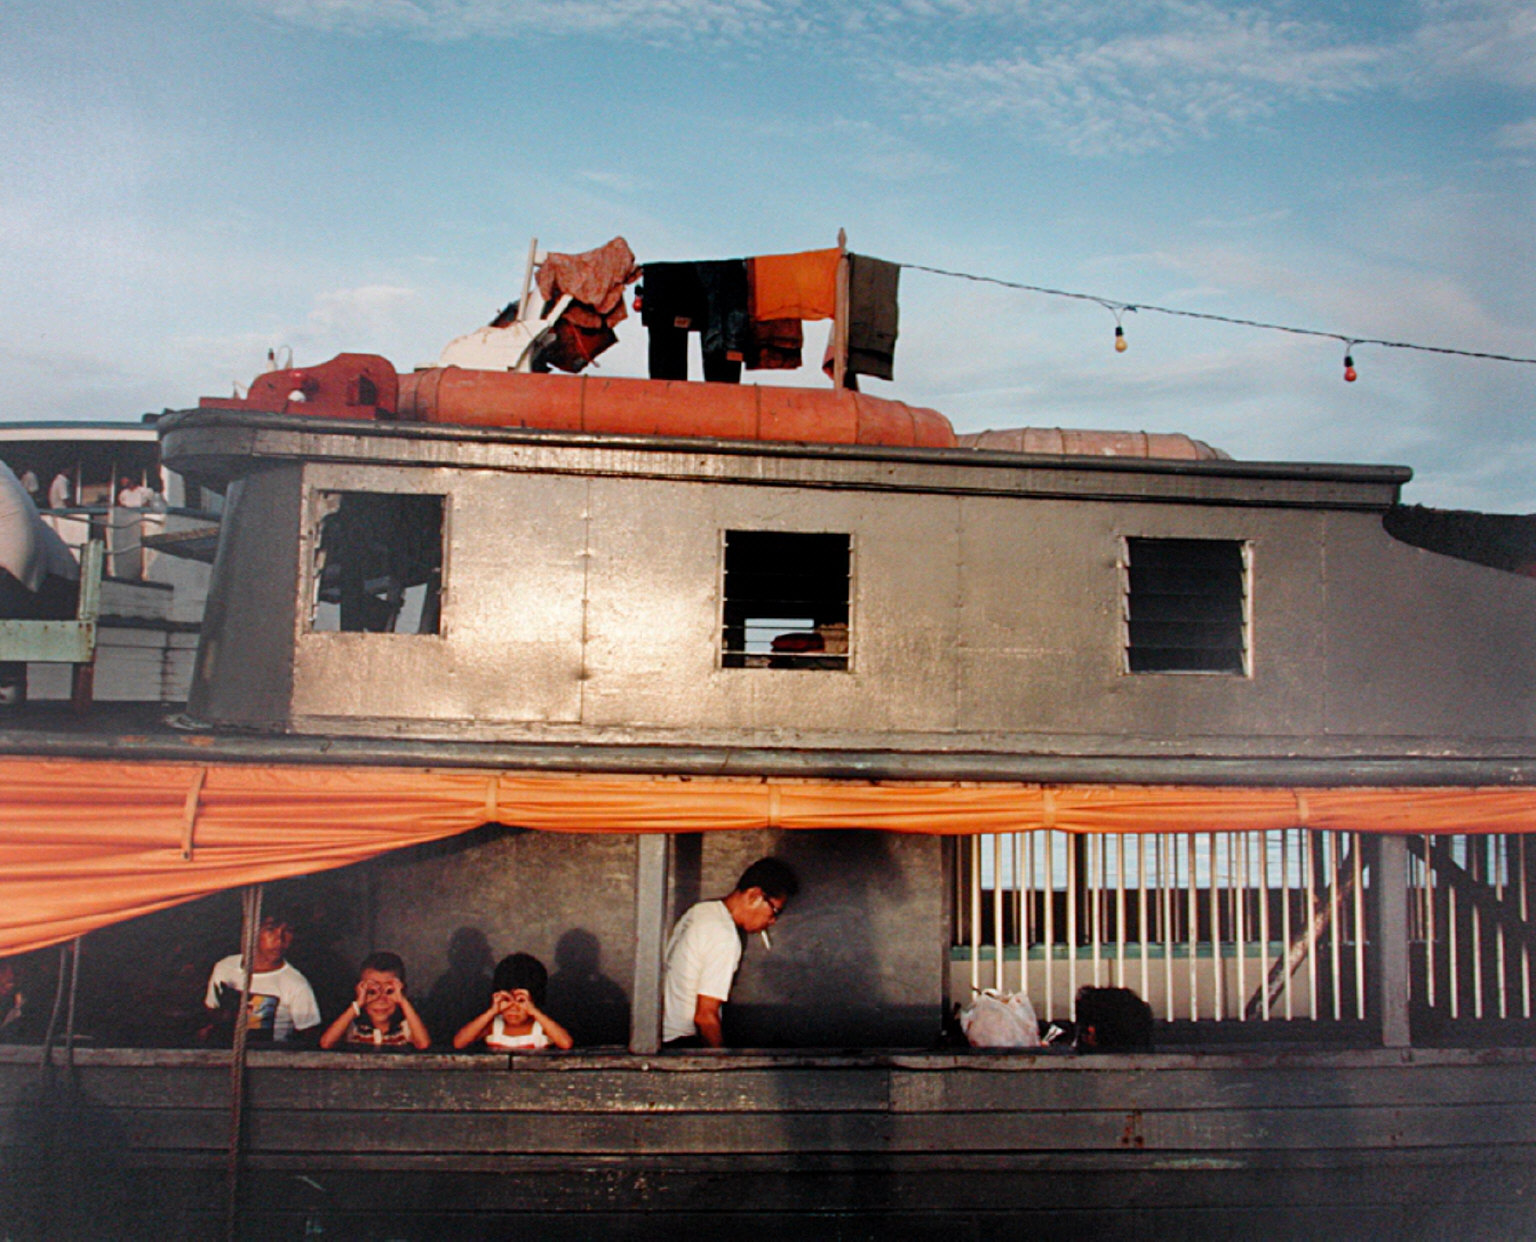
[854, 962]
[462, 992]
[584, 1000]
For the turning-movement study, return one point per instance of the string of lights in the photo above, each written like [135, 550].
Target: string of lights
[1118, 308]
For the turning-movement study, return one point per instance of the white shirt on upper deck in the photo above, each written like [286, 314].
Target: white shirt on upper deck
[702, 955]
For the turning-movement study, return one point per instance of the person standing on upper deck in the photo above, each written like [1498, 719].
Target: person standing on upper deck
[704, 951]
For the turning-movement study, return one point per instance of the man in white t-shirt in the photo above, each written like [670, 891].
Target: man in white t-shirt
[282, 1004]
[705, 949]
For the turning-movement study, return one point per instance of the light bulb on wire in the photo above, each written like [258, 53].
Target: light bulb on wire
[1120, 343]
[1350, 374]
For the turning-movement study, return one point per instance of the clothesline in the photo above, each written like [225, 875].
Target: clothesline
[1114, 305]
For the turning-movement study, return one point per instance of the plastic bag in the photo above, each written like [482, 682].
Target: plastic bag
[1004, 1020]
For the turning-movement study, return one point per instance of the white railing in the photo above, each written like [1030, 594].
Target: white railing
[1258, 926]
[1469, 919]
[1204, 926]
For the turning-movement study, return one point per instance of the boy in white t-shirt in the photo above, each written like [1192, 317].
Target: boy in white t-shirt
[282, 1004]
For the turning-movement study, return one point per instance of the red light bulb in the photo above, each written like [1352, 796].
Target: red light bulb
[1350, 375]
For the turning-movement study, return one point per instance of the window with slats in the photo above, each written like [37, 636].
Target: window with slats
[1186, 606]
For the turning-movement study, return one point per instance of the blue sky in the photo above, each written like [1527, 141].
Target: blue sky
[184, 185]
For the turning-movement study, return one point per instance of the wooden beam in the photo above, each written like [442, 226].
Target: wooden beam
[1306, 939]
[651, 857]
[840, 316]
[1483, 897]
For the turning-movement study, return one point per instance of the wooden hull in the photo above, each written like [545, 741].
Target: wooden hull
[1298, 1144]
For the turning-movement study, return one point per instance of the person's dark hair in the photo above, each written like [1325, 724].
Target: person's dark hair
[774, 876]
[1112, 1020]
[386, 963]
[521, 970]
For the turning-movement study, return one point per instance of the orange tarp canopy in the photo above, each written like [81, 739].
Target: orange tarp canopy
[85, 843]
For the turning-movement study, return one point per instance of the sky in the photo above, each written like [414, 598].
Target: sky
[184, 186]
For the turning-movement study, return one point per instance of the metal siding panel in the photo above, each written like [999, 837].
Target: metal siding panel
[1422, 645]
[654, 640]
[510, 647]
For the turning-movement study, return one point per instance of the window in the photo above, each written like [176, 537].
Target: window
[378, 563]
[786, 600]
[1186, 606]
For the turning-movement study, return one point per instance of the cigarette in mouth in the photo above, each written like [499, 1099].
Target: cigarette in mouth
[767, 944]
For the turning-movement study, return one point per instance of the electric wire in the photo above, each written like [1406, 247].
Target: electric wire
[1116, 306]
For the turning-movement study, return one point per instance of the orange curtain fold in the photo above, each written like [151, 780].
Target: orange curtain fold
[85, 843]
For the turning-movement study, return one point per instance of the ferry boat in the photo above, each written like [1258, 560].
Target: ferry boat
[1026, 712]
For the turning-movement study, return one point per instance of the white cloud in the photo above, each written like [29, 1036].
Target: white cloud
[1149, 76]
[1519, 136]
[684, 20]
[1476, 40]
[1199, 68]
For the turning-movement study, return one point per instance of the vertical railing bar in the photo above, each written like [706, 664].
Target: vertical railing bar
[1264, 839]
[1311, 844]
[1023, 911]
[1359, 908]
[1192, 929]
[1525, 948]
[1050, 923]
[1453, 942]
[999, 940]
[1415, 915]
[1498, 848]
[1335, 937]
[1239, 842]
[1286, 837]
[1169, 875]
[1474, 857]
[975, 908]
[1143, 923]
[1119, 909]
[1096, 859]
[1218, 967]
[1430, 930]
[1072, 931]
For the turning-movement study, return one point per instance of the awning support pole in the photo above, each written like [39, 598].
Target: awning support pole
[651, 860]
[1390, 936]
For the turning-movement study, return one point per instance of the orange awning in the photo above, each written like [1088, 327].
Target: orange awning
[85, 843]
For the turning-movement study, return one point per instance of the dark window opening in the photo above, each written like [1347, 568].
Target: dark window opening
[786, 600]
[379, 563]
[1186, 606]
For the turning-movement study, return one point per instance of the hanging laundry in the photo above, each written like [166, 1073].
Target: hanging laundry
[872, 314]
[575, 340]
[595, 277]
[727, 330]
[709, 298]
[776, 345]
[794, 286]
[595, 281]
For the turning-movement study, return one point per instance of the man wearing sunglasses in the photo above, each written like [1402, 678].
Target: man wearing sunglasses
[705, 949]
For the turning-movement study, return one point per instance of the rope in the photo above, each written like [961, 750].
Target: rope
[46, 1064]
[74, 991]
[250, 902]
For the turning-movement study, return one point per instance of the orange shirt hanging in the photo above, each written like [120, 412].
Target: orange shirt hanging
[793, 286]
